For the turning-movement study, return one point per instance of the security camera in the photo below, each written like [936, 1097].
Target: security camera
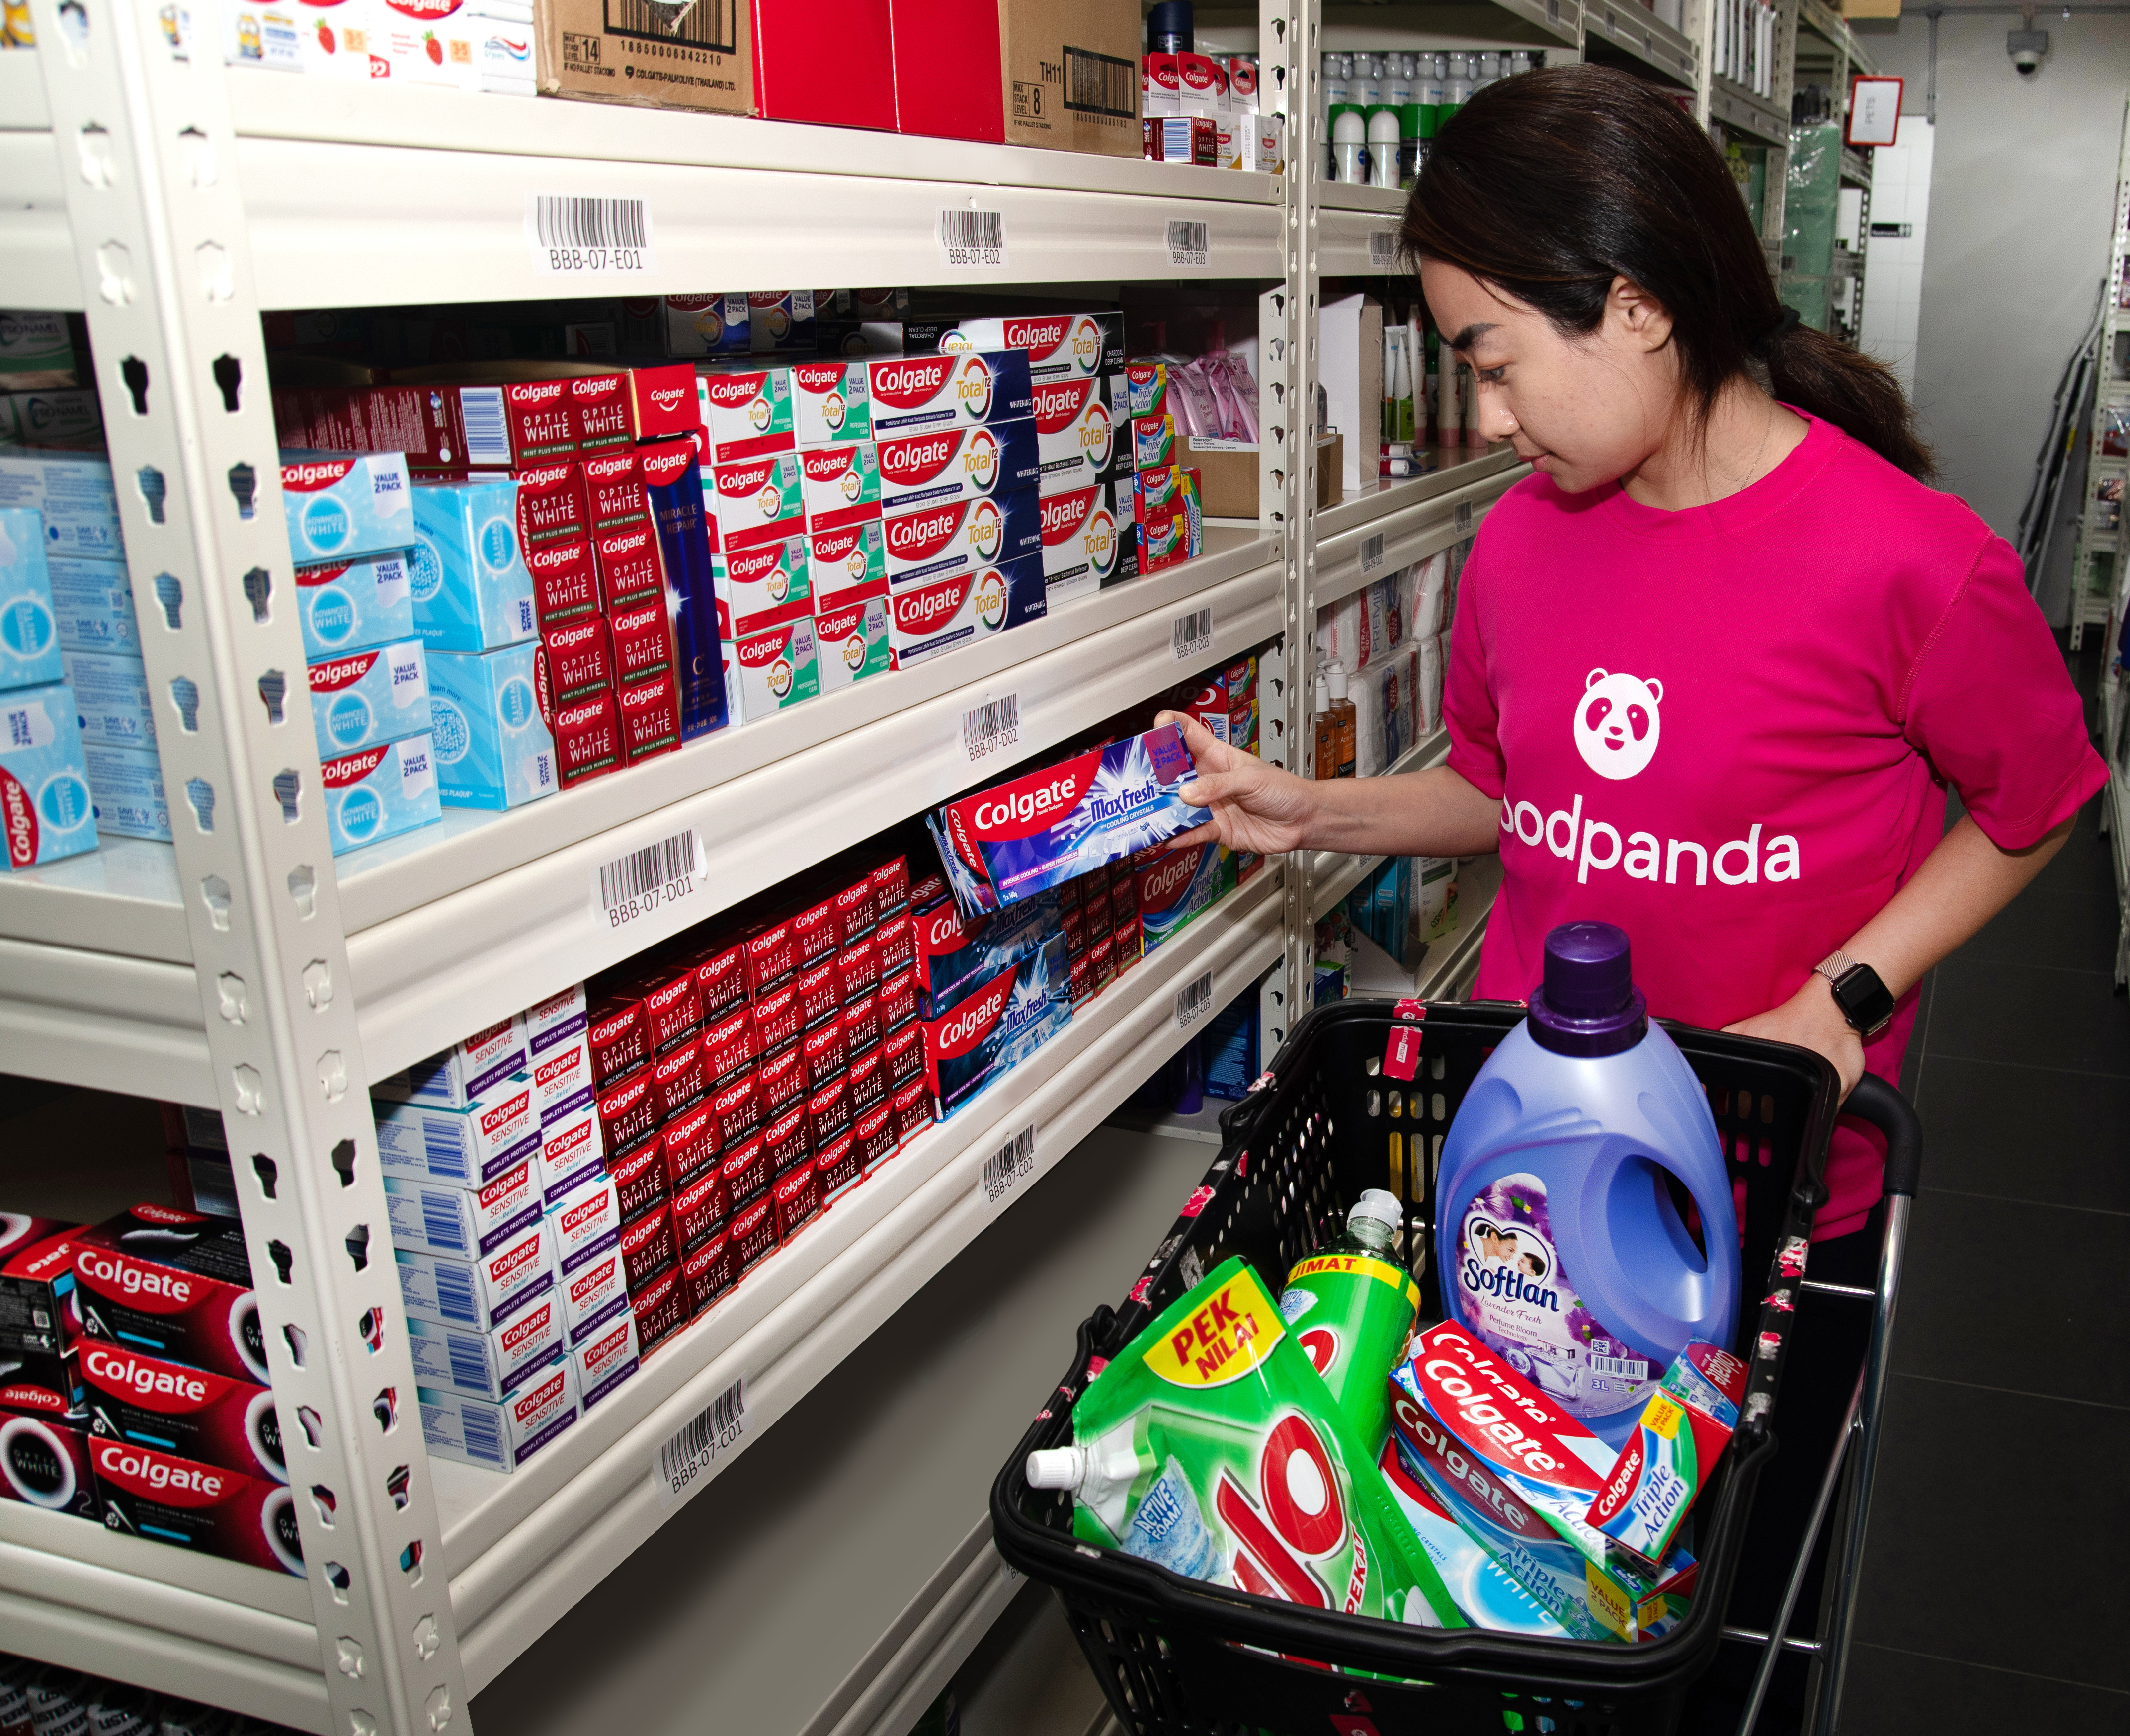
[2025, 47]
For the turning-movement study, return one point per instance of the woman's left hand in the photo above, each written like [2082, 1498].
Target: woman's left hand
[1810, 1019]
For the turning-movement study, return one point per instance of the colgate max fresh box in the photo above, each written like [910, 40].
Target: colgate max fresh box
[489, 723]
[830, 402]
[1667, 1462]
[930, 616]
[459, 1074]
[747, 411]
[44, 1453]
[755, 500]
[175, 1284]
[500, 1437]
[912, 393]
[1090, 540]
[851, 640]
[846, 563]
[1059, 346]
[216, 1419]
[1518, 1477]
[1019, 838]
[957, 536]
[955, 957]
[997, 1025]
[839, 485]
[941, 464]
[341, 505]
[776, 668]
[487, 1365]
[349, 603]
[366, 696]
[1082, 432]
[469, 587]
[47, 810]
[169, 1500]
[466, 1148]
[380, 792]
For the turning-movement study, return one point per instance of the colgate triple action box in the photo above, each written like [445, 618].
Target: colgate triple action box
[177, 1285]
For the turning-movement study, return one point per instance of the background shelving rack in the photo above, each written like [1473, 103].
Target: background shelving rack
[242, 970]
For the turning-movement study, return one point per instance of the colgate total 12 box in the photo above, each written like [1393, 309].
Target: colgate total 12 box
[1082, 432]
[839, 485]
[830, 402]
[1046, 827]
[500, 1437]
[755, 500]
[961, 537]
[1090, 541]
[1059, 346]
[170, 1500]
[175, 1284]
[216, 1419]
[912, 393]
[931, 616]
[852, 639]
[997, 1025]
[747, 411]
[1668, 1461]
[941, 464]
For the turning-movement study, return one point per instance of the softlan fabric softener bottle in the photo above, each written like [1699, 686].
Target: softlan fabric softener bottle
[1556, 1235]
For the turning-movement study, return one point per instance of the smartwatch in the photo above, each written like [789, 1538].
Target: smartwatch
[1865, 1002]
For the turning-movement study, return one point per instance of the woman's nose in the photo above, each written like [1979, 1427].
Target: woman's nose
[1495, 422]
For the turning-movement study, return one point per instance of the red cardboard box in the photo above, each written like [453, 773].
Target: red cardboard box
[613, 492]
[630, 572]
[1059, 74]
[661, 1308]
[829, 61]
[691, 1145]
[580, 658]
[553, 503]
[708, 1273]
[639, 1177]
[564, 579]
[203, 1507]
[650, 715]
[745, 1168]
[216, 1419]
[45, 1452]
[175, 1284]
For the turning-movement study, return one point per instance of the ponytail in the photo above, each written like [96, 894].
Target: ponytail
[1551, 184]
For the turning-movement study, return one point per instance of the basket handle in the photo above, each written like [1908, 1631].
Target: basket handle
[1238, 1121]
[1882, 1104]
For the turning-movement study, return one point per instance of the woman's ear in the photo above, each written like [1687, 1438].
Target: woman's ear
[1640, 318]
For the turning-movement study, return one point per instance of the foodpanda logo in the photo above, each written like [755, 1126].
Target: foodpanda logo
[1616, 723]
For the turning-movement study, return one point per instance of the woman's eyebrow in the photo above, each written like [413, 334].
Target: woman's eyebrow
[1471, 335]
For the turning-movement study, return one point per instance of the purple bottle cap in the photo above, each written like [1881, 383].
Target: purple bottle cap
[1589, 1004]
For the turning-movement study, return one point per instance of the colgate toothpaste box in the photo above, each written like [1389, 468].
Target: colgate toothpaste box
[643, 636]
[339, 506]
[565, 580]
[1486, 1594]
[760, 321]
[174, 1283]
[777, 1025]
[691, 1139]
[216, 1419]
[913, 1110]
[857, 965]
[752, 1236]
[1172, 887]
[862, 1028]
[604, 409]
[488, 719]
[650, 713]
[168, 1499]
[953, 463]
[1518, 1475]
[767, 585]
[47, 810]
[584, 1223]
[470, 590]
[1082, 432]
[747, 411]
[776, 668]
[629, 567]
[796, 1197]
[873, 1134]
[646, 1248]
[700, 1208]
[664, 399]
[1146, 388]
[676, 1079]
[997, 1025]
[367, 697]
[961, 537]
[463, 1072]
[897, 998]
[627, 1110]
[602, 1362]
[487, 1365]
[839, 485]
[824, 1052]
[639, 1176]
[571, 1150]
[830, 402]
[930, 617]
[967, 388]
[866, 1081]
[721, 980]
[1668, 1461]
[955, 955]
[738, 1109]
[728, 1048]
[837, 1167]
[478, 1294]
[558, 1020]
[1153, 442]
[580, 656]
[755, 500]
[587, 738]
[853, 640]
[846, 563]
[613, 492]
[1090, 541]
[464, 1222]
[1011, 842]
[708, 1273]
[45, 1452]
[500, 1437]
[465, 1147]
[619, 1035]
[828, 1111]
[553, 503]
[348, 603]
[1058, 346]
[770, 953]
[743, 1170]
[785, 1142]
[593, 1294]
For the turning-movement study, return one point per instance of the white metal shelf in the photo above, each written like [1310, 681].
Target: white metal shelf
[1635, 30]
[1746, 110]
[1372, 535]
[1335, 873]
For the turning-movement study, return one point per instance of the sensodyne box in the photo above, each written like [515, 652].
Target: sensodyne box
[46, 811]
[493, 748]
[29, 628]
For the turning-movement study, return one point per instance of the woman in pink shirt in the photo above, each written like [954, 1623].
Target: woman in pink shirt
[1714, 664]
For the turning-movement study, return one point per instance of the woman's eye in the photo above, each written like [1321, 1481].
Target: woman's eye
[1492, 376]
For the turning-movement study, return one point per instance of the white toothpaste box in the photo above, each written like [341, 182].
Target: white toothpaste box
[369, 696]
[463, 1146]
[766, 585]
[556, 1019]
[911, 394]
[487, 1365]
[851, 638]
[829, 402]
[340, 505]
[593, 1294]
[839, 485]
[1088, 541]
[47, 810]
[755, 500]
[776, 668]
[471, 588]
[849, 559]
[499, 1436]
[1082, 432]
[493, 748]
[607, 1358]
[746, 410]
[1057, 345]
[111, 698]
[562, 1075]
[464, 1073]
[940, 464]
[962, 536]
[345, 605]
[72, 492]
[586, 1223]
[380, 792]
[128, 785]
[464, 1222]
[571, 1148]
[481, 1293]
[940, 615]
[93, 603]
[29, 623]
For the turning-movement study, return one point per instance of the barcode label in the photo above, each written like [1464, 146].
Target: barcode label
[444, 1147]
[454, 1293]
[1193, 634]
[991, 727]
[1463, 517]
[1372, 553]
[705, 24]
[659, 875]
[480, 1428]
[1628, 1368]
[1005, 1167]
[487, 433]
[1383, 249]
[1100, 85]
[714, 1433]
[468, 1362]
[1193, 1001]
[440, 1223]
[1190, 245]
[571, 235]
[970, 239]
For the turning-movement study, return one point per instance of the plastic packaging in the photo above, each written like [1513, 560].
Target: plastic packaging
[1352, 1307]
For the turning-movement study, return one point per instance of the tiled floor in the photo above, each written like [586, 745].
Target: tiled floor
[1987, 1601]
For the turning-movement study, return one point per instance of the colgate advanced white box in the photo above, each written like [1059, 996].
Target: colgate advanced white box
[961, 537]
[933, 616]
[911, 394]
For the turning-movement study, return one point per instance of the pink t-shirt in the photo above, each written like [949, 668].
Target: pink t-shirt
[1729, 730]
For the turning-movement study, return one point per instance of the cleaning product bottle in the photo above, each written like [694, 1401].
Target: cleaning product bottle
[1327, 729]
[1352, 1307]
[1555, 1233]
[1345, 722]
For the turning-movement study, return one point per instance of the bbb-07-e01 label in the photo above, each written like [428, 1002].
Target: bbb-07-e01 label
[569, 235]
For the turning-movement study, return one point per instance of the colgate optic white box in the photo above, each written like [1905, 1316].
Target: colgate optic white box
[961, 537]
[500, 1437]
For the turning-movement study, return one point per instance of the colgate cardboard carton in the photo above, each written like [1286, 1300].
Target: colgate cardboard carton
[201, 1507]
[767, 585]
[700, 1208]
[955, 956]
[830, 400]
[753, 1235]
[846, 563]
[367, 697]
[565, 580]
[785, 1143]
[676, 1079]
[961, 537]
[469, 588]
[553, 503]
[664, 401]
[643, 638]
[594, 1293]
[930, 617]
[738, 1109]
[777, 1020]
[708, 1272]
[478, 1294]
[464, 1222]
[897, 998]
[463, 1072]
[691, 1139]
[873, 1134]
[1032, 71]
[341, 506]
[857, 965]
[862, 1030]
[619, 1034]
[627, 1110]
[491, 1135]
[214, 1419]
[755, 500]
[1082, 431]
[839, 485]
[852, 640]
[380, 792]
[580, 656]
[914, 393]
[613, 491]
[777, 668]
[948, 463]
[673, 483]
[824, 1052]
[837, 1167]
[558, 1020]
[586, 1223]
[646, 1248]
[797, 1198]
[1089, 541]
[1669, 1459]
[995, 1025]
[1059, 346]
[175, 1284]
[500, 1437]
[45, 1452]
[746, 410]
[630, 570]
[639, 1176]
[606, 1359]
[604, 410]
[649, 714]
[587, 738]
[721, 979]
[343, 605]
[744, 1171]
[914, 1108]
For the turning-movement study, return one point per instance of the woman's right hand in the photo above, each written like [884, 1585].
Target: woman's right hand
[1256, 807]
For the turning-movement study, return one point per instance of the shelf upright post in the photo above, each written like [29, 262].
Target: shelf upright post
[1305, 171]
[2109, 395]
[141, 127]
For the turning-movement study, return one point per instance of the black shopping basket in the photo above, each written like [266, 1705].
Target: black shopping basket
[1178, 1657]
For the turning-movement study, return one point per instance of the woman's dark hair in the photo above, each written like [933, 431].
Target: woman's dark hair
[1550, 184]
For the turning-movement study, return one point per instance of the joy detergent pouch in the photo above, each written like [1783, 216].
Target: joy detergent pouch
[1213, 1448]
[1352, 1307]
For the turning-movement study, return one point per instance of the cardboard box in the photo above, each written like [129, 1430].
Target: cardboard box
[830, 62]
[1227, 474]
[701, 57]
[1060, 74]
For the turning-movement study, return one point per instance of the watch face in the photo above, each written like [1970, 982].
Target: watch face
[1865, 1002]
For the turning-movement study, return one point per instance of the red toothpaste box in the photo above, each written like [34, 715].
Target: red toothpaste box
[639, 1177]
[213, 1418]
[728, 1046]
[912, 1104]
[873, 1133]
[867, 1082]
[721, 976]
[630, 570]
[837, 1167]
[828, 1112]
[604, 411]
[664, 400]
[815, 934]
[820, 988]
[902, 1056]
[660, 1311]
[753, 1235]
[857, 909]
[613, 492]
[565, 580]
[861, 1024]
[642, 640]
[44, 1450]
[36, 1277]
[777, 1020]
[170, 1500]
[784, 1141]
[554, 505]
[650, 717]
[736, 1107]
[587, 738]
[691, 1145]
[823, 1053]
[175, 1284]
[1080, 980]
[895, 939]
[781, 1083]
[620, 1037]
[898, 1000]
[857, 969]
[797, 1195]
[647, 1247]
[700, 1208]
[580, 657]
[745, 1168]
[708, 1273]
[772, 958]
[672, 1009]
[628, 1112]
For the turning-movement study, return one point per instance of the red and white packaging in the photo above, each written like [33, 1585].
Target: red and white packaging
[737, 1107]
[214, 1419]
[604, 411]
[728, 1048]
[501, 1437]
[691, 1145]
[480, 1294]
[895, 941]
[873, 1135]
[672, 1009]
[767, 585]
[960, 389]
[837, 1167]
[815, 934]
[820, 988]
[829, 402]
[199, 1507]
[708, 1273]
[564, 579]
[649, 712]
[757, 500]
[866, 1082]
[940, 464]
[752, 1236]
[897, 996]
[745, 1168]
[643, 636]
[189, 1301]
[639, 1177]
[554, 505]
[890, 885]
[619, 1036]
[562, 1078]
[961, 537]
[848, 563]
[721, 980]
[647, 1247]
[664, 399]
[828, 1112]
[823, 1053]
[585, 1222]
[1161, 87]
[797, 1197]
[603, 1360]
[627, 1110]
[772, 957]
[902, 1056]
[587, 739]
[781, 1082]
[580, 657]
[861, 1024]
[776, 1021]
[631, 572]
[858, 968]
[912, 1107]
[784, 1141]
[700, 1208]
[747, 411]
[44, 1451]
[857, 909]
[1081, 432]
[1089, 540]
[593, 1294]
[660, 1311]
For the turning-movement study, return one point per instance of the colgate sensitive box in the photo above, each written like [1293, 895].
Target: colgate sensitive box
[466, 1147]
[500, 1437]
[463, 1072]
[911, 394]
[607, 1358]
[478, 1294]
[487, 1365]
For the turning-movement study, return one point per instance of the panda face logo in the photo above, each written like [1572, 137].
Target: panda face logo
[1616, 723]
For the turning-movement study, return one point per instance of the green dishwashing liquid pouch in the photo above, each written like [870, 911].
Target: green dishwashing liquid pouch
[1212, 1448]
[1352, 1307]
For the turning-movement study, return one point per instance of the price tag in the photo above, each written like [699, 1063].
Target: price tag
[1190, 245]
[1194, 1000]
[647, 881]
[1192, 635]
[972, 240]
[1372, 553]
[1463, 517]
[991, 728]
[1007, 1167]
[568, 235]
[714, 1433]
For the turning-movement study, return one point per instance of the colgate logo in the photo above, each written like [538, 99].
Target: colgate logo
[558, 1152]
[941, 934]
[731, 391]
[513, 1260]
[611, 1346]
[830, 547]
[537, 392]
[500, 1190]
[607, 1029]
[913, 380]
[751, 566]
[735, 482]
[668, 398]
[964, 1028]
[553, 560]
[548, 1072]
[590, 1211]
[1058, 402]
[658, 1000]
[662, 464]
[1062, 514]
[310, 476]
[618, 1103]
[825, 464]
[576, 717]
[595, 1281]
[1169, 878]
[313, 576]
[917, 460]
[528, 1407]
[843, 622]
[759, 653]
[921, 534]
[733, 1096]
[342, 671]
[573, 636]
[112, 1369]
[1016, 807]
[135, 1466]
[1037, 334]
[530, 1326]
[510, 1109]
[638, 620]
[640, 1234]
[353, 768]
[543, 476]
[918, 611]
[623, 543]
[595, 386]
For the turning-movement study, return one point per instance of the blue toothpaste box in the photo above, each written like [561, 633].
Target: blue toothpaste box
[955, 956]
[471, 589]
[72, 491]
[1019, 838]
[111, 698]
[46, 810]
[380, 792]
[29, 626]
[340, 505]
[997, 1025]
[494, 747]
[127, 784]
[1172, 887]
[370, 696]
[348, 604]
[92, 601]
